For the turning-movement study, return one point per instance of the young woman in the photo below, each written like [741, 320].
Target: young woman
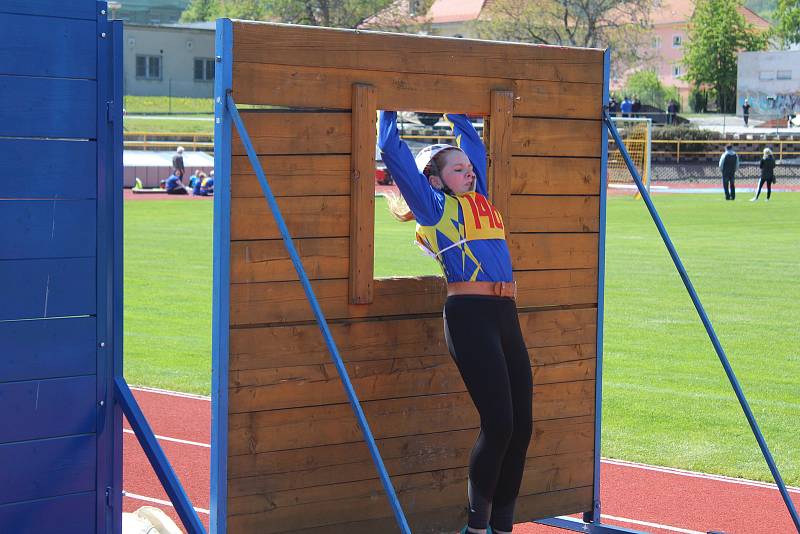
[767, 165]
[445, 189]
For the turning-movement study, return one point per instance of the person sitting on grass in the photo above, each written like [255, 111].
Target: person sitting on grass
[203, 186]
[174, 186]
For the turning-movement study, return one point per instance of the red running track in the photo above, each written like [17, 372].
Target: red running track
[636, 496]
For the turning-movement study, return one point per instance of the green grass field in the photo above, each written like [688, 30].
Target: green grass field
[666, 398]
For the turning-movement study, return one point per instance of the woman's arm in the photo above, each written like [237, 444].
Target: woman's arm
[425, 202]
[471, 143]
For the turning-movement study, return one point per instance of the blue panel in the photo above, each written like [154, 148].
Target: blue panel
[69, 46]
[69, 514]
[33, 229]
[34, 168]
[33, 289]
[47, 408]
[47, 468]
[77, 9]
[48, 348]
[48, 107]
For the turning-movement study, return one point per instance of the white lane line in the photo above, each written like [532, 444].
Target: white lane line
[174, 440]
[651, 525]
[170, 393]
[694, 474]
[160, 501]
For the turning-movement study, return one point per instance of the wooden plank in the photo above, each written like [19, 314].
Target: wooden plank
[311, 216]
[278, 302]
[45, 408]
[554, 214]
[47, 468]
[555, 176]
[316, 385]
[556, 137]
[51, 8]
[48, 229]
[263, 348]
[556, 288]
[35, 168]
[289, 133]
[290, 176]
[48, 349]
[346, 462]
[419, 491]
[287, 45]
[553, 251]
[558, 99]
[69, 46]
[48, 107]
[362, 195]
[254, 432]
[450, 519]
[66, 514]
[293, 86]
[269, 261]
[499, 172]
[36, 289]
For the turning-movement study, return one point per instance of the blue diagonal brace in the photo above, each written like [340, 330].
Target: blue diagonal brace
[737, 388]
[323, 324]
[167, 477]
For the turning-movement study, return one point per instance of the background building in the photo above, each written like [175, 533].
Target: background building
[147, 11]
[171, 60]
[771, 80]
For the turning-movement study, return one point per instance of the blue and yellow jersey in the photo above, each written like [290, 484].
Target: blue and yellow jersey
[464, 233]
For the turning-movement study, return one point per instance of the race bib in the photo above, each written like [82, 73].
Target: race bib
[481, 219]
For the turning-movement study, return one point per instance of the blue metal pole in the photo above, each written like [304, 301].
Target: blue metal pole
[169, 480]
[706, 322]
[323, 325]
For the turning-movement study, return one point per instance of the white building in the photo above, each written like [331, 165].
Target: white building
[171, 60]
[771, 81]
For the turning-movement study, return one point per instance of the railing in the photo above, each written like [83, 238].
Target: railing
[168, 141]
[683, 147]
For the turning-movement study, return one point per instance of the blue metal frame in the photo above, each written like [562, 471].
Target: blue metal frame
[221, 300]
[706, 322]
[323, 325]
[149, 443]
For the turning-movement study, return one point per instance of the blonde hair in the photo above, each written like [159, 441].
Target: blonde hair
[767, 152]
[398, 206]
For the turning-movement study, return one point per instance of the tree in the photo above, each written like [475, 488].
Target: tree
[200, 10]
[717, 33]
[332, 13]
[620, 24]
[787, 17]
[646, 86]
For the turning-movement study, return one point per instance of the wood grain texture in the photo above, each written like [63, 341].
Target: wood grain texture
[288, 133]
[556, 137]
[309, 216]
[554, 213]
[292, 176]
[553, 251]
[362, 195]
[269, 261]
[555, 176]
[499, 150]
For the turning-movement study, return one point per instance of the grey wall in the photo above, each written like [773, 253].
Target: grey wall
[178, 48]
[758, 81]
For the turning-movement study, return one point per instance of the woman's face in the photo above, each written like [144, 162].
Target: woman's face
[456, 173]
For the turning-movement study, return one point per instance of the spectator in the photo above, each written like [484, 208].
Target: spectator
[672, 112]
[177, 164]
[728, 165]
[626, 107]
[203, 186]
[174, 186]
[767, 165]
[636, 106]
[746, 110]
[613, 107]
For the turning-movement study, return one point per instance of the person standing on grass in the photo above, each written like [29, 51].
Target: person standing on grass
[746, 110]
[767, 165]
[442, 185]
[728, 165]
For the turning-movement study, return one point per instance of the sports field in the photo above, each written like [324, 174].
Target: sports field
[666, 398]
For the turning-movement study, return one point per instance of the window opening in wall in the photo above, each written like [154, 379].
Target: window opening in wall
[766, 75]
[656, 42]
[676, 70]
[203, 69]
[396, 249]
[784, 75]
[148, 67]
[677, 41]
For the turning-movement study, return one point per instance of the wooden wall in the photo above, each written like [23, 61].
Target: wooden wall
[297, 462]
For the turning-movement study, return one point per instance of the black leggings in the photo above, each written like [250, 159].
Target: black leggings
[769, 186]
[485, 340]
